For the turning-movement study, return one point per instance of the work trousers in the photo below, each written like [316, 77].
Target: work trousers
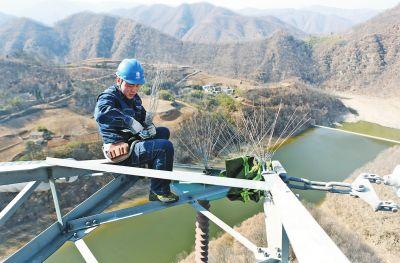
[157, 153]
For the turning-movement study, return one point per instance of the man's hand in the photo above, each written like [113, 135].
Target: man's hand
[149, 118]
[118, 149]
[148, 133]
[152, 130]
[136, 127]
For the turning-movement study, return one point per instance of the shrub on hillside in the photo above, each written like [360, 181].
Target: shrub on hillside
[226, 102]
[166, 95]
[322, 108]
[197, 94]
[145, 89]
[33, 151]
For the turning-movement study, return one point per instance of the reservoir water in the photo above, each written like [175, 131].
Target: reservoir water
[317, 154]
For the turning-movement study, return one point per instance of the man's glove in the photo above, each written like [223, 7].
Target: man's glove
[136, 127]
[117, 152]
[148, 133]
[148, 119]
[152, 130]
[144, 135]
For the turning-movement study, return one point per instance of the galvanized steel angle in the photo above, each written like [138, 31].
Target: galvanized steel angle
[47, 242]
[170, 175]
[103, 218]
[18, 200]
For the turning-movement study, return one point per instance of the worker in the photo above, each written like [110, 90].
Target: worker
[129, 135]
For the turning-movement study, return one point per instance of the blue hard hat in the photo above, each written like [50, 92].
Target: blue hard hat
[131, 71]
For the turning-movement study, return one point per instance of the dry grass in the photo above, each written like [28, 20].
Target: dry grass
[184, 112]
[380, 230]
[353, 246]
[59, 121]
[9, 140]
[90, 137]
[226, 249]
[8, 155]
[64, 121]
[384, 111]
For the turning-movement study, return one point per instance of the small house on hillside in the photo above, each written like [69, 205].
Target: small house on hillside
[216, 89]
[227, 90]
[37, 135]
[40, 135]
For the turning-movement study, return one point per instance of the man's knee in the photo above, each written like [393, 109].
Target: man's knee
[162, 133]
[166, 145]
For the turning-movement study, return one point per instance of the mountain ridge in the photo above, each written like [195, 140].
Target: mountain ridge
[358, 60]
[192, 22]
[88, 35]
[316, 19]
[367, 56]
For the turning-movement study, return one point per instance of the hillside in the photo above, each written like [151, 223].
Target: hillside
[206, 23]
[368, 58]
[87, 35]
[380, 230]
[22, 34]
[316, 19]
[4, 18]
[357, 61]
[354, 15]
[307, 21]
[381, 23]
[24, 84]
[277, 58]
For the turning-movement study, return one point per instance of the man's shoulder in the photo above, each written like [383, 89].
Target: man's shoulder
[111, 91]
[137, 99]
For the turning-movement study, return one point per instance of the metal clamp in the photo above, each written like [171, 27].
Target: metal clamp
[267, 255]
[361, 187]
[388, 206]
[372, 178]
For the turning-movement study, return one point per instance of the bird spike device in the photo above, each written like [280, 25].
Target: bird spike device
[153, 105]
[258, 126]
[206, 137]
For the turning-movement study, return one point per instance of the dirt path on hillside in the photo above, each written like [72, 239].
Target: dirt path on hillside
[383, 111]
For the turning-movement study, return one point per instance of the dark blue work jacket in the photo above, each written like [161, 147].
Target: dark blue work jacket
[114, 113]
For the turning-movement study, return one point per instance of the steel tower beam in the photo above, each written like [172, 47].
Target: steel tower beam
[46, 243]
